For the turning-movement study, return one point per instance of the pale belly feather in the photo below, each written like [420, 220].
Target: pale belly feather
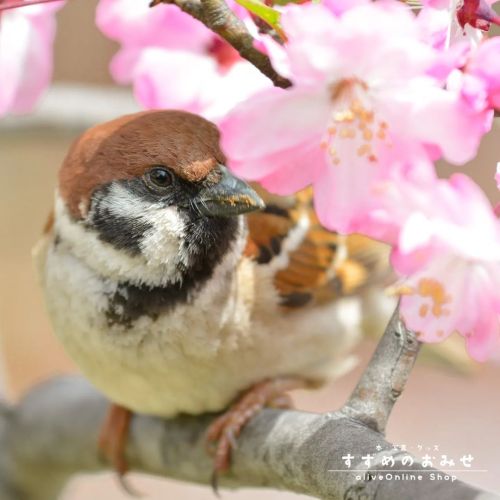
[195, 358]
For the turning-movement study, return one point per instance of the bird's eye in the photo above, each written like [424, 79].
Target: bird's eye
[159, 177]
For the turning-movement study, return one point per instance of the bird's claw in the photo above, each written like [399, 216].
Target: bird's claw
[223, 433]
[112, 443]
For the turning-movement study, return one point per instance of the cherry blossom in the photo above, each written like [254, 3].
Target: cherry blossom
[451, 257]
[484, 64]
[379, 94]
[433, 24]
[455, 21]
[174, 61]
[362, 102]
[26, 39]
[135, 25]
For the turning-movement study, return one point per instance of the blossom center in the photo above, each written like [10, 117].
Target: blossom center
[435, 291]
[353, 125]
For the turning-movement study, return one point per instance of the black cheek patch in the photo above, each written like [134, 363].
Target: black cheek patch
[209, 240]
[121, 232]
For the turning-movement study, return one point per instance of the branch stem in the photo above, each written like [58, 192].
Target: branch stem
[219, 18]
[385, 377]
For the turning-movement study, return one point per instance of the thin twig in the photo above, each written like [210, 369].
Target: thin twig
[219, 18]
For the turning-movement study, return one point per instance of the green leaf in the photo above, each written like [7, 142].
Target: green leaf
[268, 14]
[286, 2]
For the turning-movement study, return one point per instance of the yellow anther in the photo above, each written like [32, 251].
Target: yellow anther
[433, 289]
[344, 116]
[364, 149]
[424, 309]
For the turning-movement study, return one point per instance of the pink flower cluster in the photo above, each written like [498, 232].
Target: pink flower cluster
[173, 60]
[379, 94]
[26, 38]
[374, 103]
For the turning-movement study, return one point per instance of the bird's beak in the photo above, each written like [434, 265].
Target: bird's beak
[230, 196]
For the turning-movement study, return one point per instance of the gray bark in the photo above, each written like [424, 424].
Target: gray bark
[52, 435]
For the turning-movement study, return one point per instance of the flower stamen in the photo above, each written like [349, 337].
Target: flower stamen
[353, 119]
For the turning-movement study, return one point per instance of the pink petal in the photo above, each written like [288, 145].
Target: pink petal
[273, 121]
[134, 24]
[485, 340]
[433, 25]
[416, 233]
[310, 46]
[480, 307]
[157, 83]
[436, 4]
[343, 193]
[485, 64]
[294, 171]
[37, 10]
[338, 7]
[445, 119]
[123, 65]
[238, 83]
[461, 221]
[199, 85]
[26, 57]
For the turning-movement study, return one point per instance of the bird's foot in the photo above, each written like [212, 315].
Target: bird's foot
[224, 430]
[113, 442]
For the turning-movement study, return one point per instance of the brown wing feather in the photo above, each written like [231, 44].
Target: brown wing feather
[325, 265]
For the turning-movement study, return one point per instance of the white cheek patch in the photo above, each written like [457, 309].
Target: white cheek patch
[121, 202]
[158, 263]
[162, 244]
[164, 239]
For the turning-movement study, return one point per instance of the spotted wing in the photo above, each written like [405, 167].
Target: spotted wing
[312, 264]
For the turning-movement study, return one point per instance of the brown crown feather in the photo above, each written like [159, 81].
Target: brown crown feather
[128, 146]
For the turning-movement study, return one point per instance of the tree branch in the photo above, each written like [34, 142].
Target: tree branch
[385, 377]
[219, 18]
[52, 434]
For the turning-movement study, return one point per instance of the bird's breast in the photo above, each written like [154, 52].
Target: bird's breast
[195, 356]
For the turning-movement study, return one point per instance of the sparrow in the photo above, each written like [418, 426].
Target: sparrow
[177, 290]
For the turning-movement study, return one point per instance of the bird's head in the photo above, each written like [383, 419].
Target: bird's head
[146, 198]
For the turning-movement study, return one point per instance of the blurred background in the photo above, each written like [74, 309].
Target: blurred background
[459, 412]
